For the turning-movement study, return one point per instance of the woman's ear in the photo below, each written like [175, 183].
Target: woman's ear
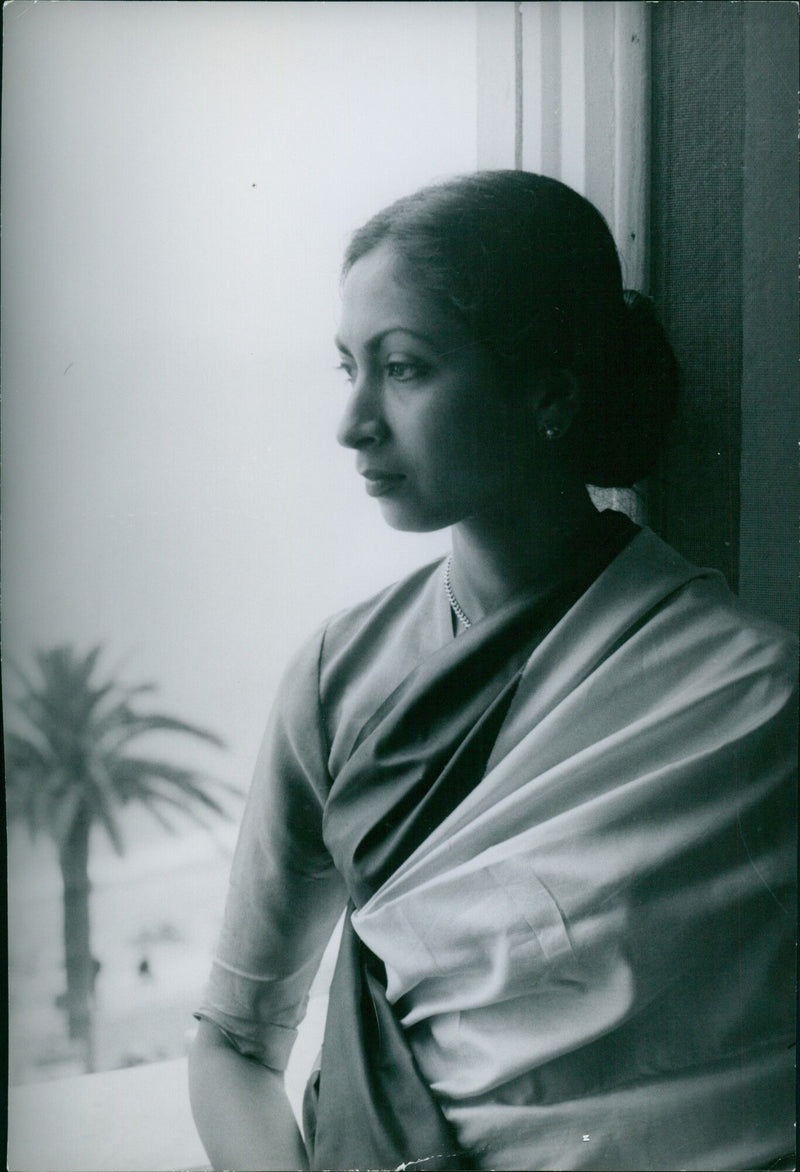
[555, 401]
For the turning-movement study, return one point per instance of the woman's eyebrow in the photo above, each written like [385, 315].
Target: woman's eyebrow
[375, 341]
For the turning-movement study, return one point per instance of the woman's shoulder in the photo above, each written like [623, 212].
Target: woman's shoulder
[402, 594]
[694, 607]
[396, 622]
[406, 611]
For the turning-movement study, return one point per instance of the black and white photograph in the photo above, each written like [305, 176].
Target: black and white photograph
[400, 506]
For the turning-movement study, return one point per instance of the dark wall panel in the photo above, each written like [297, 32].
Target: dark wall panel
[696, 269]
[769, 556]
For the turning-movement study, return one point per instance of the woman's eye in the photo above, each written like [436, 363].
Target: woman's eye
[403, 372]
[347, 370]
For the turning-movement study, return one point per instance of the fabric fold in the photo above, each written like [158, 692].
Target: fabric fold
[349, 1120]
[415, 759]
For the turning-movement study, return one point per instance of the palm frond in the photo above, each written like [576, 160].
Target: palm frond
[24, 755]
[134, 775]
[159, 798]
[74, 755]
[161, 818]
[105, 804]
[142, 724]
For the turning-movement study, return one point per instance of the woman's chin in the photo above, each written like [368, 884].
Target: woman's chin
[407, 519]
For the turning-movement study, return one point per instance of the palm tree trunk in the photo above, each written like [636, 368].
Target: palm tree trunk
[74, 860]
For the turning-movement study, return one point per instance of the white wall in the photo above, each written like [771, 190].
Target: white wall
[178, 182]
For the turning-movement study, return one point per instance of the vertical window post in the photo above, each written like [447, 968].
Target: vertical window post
[564, 90]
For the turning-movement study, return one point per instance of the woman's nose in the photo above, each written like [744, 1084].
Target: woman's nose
[362, 423]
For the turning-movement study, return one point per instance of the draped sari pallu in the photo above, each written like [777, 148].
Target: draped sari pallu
[422, 751]
[405, 806]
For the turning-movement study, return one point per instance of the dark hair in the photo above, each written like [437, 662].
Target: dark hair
[531, 267]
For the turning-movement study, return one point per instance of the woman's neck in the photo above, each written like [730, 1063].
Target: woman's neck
[495, 558]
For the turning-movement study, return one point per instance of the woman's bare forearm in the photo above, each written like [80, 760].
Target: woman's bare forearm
[240, 1108]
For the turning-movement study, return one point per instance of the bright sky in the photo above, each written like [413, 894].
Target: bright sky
[179, 180]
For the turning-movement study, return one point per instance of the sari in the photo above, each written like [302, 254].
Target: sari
[565, 839]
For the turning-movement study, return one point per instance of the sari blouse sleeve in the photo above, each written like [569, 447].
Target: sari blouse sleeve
[284, 895]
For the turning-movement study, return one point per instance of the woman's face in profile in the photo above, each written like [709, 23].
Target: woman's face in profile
[436, 440]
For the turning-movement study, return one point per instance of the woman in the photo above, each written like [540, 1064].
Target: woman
[549, 778]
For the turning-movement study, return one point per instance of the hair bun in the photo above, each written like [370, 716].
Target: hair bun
[639, 307]
[639, 402]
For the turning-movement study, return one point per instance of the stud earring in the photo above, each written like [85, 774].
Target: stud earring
[551, 433]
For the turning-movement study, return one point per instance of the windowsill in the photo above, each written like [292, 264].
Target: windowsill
[136, 1120]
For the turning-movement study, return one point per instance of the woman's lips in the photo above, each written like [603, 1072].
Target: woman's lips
[381, 483]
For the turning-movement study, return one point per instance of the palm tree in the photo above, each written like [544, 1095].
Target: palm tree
[70, 763]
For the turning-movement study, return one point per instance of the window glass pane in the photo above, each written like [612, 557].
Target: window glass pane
[179, 182]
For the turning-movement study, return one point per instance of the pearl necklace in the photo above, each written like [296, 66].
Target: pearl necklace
[455, 605]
